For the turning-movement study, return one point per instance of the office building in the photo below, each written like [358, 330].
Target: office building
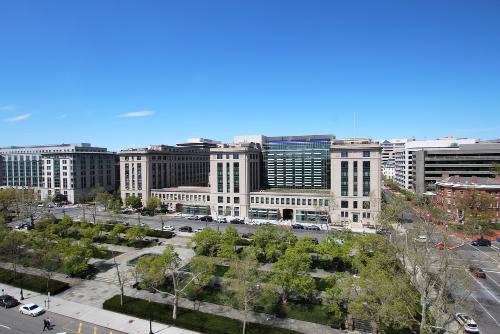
[465, 160]
[283, 178]
[163, 166]
[53, 169]
[403, 157]
[387, 156]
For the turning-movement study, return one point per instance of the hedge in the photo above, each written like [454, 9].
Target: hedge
[32, 282]
[186, 318]
[160, 234]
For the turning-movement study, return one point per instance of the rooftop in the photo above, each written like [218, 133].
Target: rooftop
[470, 182]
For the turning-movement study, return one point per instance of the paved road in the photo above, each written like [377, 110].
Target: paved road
[12, 322]
[176, 222]
[483, 303]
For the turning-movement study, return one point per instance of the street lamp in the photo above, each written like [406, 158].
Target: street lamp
[149, 309]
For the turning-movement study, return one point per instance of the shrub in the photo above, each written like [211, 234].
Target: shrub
[32, 282]
[187, 319]
[160, 234]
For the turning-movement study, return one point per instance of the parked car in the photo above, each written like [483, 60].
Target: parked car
[313, 228]
[421, 238]
[481, 242]
[168, 228]
[198, 230]
[297, 227]
[20, 226]
[222, 221]
[127, 212]
[207, 219]
[8, 301]
[382, 231]
[192, 218]
[469, 325]
[237, 221]
[476, 271]
[439, 246]
[31, 309]
[185, 229]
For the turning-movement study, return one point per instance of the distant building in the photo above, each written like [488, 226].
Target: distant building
[466, 160]
[450, 189]
[305, 179]
[69, 169]
[388, 161]
[403, 157]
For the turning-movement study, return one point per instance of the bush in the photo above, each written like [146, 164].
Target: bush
[187, 319]
[243, 242]
[32, 282]
[160, 234]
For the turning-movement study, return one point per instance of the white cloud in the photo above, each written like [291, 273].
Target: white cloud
[140, 113]
[8, 107]
[18, 118]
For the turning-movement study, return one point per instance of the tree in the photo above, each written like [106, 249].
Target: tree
[394, 212]
[28, 201]
[137, 232]
[271, 242]
[207, 242]
[154, 271]
[153, 203]
[103, 198]
[75, 255]
[476, 209]
[46, 253]
[117, 230]
[60, 199]
[14, 246]
[290, 274]
[8, 201]
[229, 242]
[244, 282]
[134, 202]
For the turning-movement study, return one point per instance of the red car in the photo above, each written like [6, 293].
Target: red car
[439, 246]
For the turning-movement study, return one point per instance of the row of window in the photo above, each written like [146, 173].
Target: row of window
[220, 199]
[345, 154]
[228, 156]
[182, 197]
[345, 205]
[289, 201]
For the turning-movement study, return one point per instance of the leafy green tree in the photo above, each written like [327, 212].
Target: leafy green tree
[103, 198]
[46, 253]
[207, 242]
[290, 274]
[137, 232]
[155, 270]
[244, 282]
[271, 242]
[115, 233]
[153, 203]
[394, 212]
[134, 202]
[14, 246]
[75, 255]
[228, 242]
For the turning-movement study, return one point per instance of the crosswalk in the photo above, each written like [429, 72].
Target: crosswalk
[85, 328]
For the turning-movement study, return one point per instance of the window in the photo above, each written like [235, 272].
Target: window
[228, 177]
[220, 182]
[366, 178]
[267, 200]
[355, 204]
[236, 200]
[272, 200]
[344, 178]
[326, 202]
[366, 205]
[237, 211]
[366, 154]
[308, 201]
[251, 200]
[220, 210]
[219, 156]
[236, 177]
[344, 204]
[220, 199]
[282, 201]
[228, 199]
[355, 179]
[344, 154]
[236, 156]
[287, 201]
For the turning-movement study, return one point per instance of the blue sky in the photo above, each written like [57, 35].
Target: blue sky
[72, 71]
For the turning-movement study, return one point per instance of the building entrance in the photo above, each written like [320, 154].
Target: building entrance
[287, 214]
[355, 217]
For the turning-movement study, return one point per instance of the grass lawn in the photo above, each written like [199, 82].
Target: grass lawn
[186, 318]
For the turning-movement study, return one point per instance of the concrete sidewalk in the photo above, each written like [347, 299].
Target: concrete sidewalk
[94, 315]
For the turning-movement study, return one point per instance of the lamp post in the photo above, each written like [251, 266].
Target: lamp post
[149, 309]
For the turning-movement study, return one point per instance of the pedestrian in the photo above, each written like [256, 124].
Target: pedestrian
[45, 325]
[49, 325]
